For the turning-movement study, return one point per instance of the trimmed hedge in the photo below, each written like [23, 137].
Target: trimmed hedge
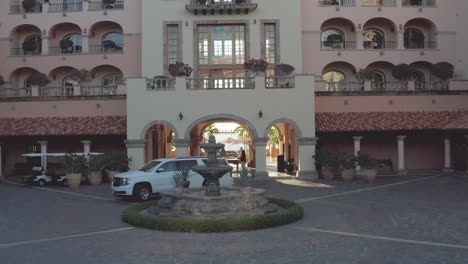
[293, 213]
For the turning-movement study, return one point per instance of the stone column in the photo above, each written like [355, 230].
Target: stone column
[136, 151]
[281, 146]
[43, 151]
[86, 148]
[359, 39]
[195, 146]
[448, 158]
[307, 169]
[45, 45]
[181, 147]
[401, 155]
[261, 172]
[286, 142]
[85, 44]
[357, 149]
[45, 7]
[400, 39]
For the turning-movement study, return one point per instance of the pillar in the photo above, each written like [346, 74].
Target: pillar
[448, 158]
[359, 39]
[307, 170]
[136, 152]
[181, 147]
[45, 7]
[400, 39]
[401, 155]
[43, 151]
[86, 148]
[45, 45]
[261, 172]
[85, 44]
[286, 142]
[357, 149]
[281, 146]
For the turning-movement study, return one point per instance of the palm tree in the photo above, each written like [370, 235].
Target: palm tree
[246, 137]
[211, 130]
[274, 135]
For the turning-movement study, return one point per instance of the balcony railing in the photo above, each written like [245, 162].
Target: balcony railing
[15, 92]
[55, 91]
[344, 86]
[390, 3]
[419, 3]
[21, 52]
[18, 9]
[65, 7]
[431, 86]
[96, 6]
[220, 6]
[98, 90]
[332, 45]
[160, 83]
[220, 83]
[94, 49]
[380, 45]
[337, 2]
[421, 45]
[59, 51]
[389, 86]
[279, 82]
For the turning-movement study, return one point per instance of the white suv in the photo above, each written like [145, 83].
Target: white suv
[157, 175]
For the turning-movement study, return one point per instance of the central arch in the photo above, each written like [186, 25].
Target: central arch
[220, 117]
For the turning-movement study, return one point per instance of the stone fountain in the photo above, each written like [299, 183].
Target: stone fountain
[212, 201]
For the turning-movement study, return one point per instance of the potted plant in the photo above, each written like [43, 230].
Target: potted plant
[79, 76]
[443, 70]
[327, 162]
[39, 79]
[181, 177]
[347, 163]
[95, 167]
[284, 69]
[402, 72]
[179, 69]
[256, 66]
[66, 45]
[114, 163]
[75, 166]
[29, 5]
[29, 45]
[368, 167]
[109, 45]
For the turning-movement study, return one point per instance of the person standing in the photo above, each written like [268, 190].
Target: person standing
[242, 158]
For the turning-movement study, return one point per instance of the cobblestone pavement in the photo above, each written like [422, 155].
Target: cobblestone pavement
[413, 219]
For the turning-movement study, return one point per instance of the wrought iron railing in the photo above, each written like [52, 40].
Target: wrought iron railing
[380, 44]
[220, 2]
[280, 82]
[331, 45]
[431, 86]
[18, 9]
[99, 90]
[95, 6]
[59, 50]
[15, 92]
[389, 86]
[420, 3]
[220, 83]
[390, 3]
[160, 83]
[421, 45]
[337, 2]
[344, 86]
[66, 7]
[93, 49]
[22, 52]
[55, 91]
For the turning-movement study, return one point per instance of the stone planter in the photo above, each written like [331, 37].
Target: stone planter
[328, 173]
[74, 180]
[95, 178]
[347, 174]
[370, 175]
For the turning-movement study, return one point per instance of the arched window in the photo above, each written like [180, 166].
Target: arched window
[110, 82]
[374, 39]
[414, 39]
[113, 41]
[67, 86]
[378, 80]
[332, 39]
[418, 78]
[77, 43]
[32, 45]
[335, 80]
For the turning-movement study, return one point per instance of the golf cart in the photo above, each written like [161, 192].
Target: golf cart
[52, 170]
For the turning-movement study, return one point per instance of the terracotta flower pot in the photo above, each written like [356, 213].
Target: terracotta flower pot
[347, 174]
[186, 184]
[74, 180]
[371, 175]
[95, 178]
[328, 173]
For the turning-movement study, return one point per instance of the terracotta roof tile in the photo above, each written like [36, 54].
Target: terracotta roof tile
[390, 121]
[63, 126]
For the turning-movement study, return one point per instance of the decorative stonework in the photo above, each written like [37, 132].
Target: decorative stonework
[135, 143]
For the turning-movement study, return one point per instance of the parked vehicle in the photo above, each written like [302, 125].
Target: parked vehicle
[157, 175]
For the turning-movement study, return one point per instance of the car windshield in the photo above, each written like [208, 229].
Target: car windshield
[148, 166]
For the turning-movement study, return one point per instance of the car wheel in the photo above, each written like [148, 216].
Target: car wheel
[142, 192]
[41, 183]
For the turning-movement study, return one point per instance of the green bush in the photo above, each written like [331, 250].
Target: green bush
[115, 161]
[293, 213]
[39, 79]
[402, 72]
[29, 45]
[28, 5]
[443, 70]
[364, 75]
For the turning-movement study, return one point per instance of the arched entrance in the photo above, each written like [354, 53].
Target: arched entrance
[160, 141]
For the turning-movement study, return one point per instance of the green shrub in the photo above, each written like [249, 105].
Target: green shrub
[29, 45]
[75, 164]
[28, 5]
[115, 161]
[402, 72]
[443, 70]
[364, 75]
[39, 79]
[293, 213]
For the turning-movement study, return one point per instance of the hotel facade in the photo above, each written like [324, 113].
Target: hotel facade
[129, 102]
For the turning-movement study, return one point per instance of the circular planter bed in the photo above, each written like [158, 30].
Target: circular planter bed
[291, 213]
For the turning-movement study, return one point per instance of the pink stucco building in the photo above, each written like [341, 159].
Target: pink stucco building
[418, 124]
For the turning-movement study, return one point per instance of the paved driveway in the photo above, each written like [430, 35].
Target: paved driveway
[398, 220]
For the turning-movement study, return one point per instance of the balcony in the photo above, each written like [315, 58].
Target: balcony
[333, 45]
[48, 92]
[337, 3]
[220, 83]
[60, 51]
[98, 6]
[379, 3]
[65, 7]
[383, 88]
[19, 9]
[22, 52]
[212, 7]
[419, 3]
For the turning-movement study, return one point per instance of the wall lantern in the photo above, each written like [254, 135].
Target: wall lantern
[181, 116]
[260, 114]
